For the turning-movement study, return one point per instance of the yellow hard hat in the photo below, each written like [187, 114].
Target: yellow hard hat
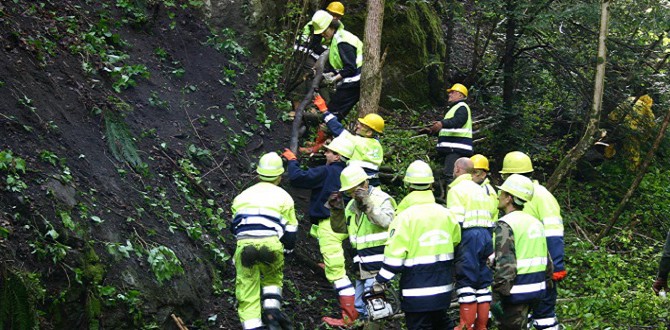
[336, 7]
[646, 100]
[480, 162]
[374, 121]
[342, 145]
[321, 20]
[518, 186]
[270, 166]
[516, 162]
[352, 176]
[419, 172]
[459, 88]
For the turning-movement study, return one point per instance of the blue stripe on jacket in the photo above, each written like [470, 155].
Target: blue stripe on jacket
[524, 298]
[426, 276]
[375, 250]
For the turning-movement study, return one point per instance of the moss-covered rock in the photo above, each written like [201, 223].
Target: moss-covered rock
[413, 68]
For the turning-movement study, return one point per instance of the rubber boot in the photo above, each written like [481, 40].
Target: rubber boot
[468, 313]
[482, 316]
[349, 313]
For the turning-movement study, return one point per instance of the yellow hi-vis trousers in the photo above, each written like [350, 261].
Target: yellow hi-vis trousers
[330, 245]
[249, 282]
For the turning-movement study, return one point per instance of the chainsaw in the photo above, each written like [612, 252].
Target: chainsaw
[382, 305]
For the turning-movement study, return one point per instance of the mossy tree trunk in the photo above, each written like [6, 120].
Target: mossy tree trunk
[371, 78]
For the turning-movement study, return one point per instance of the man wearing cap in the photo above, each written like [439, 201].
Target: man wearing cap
[324, 180]
[420, 249]
[454, 131]
[265, 226]
[366, 219]
[522, 263]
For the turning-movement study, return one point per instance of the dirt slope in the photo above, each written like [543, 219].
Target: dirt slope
[115, 180]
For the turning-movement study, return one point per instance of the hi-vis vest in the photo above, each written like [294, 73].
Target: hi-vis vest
[470, 203]
[368, 153]
[531, 257]
[367, 238]
[334, 56]
[456, 139]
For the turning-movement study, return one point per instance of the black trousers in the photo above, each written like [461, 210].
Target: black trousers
[343, 100]
[432, 320]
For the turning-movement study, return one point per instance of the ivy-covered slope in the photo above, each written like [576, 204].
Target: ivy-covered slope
[126, 128]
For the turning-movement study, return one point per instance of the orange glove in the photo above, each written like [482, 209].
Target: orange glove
[559, 275]
[288, 154]
[320, 103]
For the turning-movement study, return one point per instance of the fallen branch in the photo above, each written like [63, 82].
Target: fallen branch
[297, 120]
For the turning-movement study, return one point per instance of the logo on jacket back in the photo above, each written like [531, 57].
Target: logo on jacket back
[536, 231]
[434, 237]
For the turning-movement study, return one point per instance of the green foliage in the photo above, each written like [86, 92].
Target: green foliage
[19, 293]
[121, 142]
[124, 76]
[13, 166]
[157, 102]
[164, 263]
[225, 42]
[606, 290]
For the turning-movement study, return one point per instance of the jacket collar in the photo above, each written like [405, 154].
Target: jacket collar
[415, 198]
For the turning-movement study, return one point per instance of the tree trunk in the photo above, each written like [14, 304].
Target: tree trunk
[508, 59]
[448, 42]
[589, 136]
[371, 78]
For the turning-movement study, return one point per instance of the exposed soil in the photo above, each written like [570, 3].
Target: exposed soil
[48, 102]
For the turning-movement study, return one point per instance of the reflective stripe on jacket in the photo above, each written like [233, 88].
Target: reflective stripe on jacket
[456, 138]
[544, 207]
[469, 202]
[265, 210]
[530, 250]
[366, 237]
[421, 248]
[342, 35]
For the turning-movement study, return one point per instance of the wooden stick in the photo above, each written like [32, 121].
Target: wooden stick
[180, 324]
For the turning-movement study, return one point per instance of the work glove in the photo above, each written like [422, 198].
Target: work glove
[377, 288]
[329, 78]
[557, 276]
[288, 154]
[659, 285]
[362, 197]
[434, 128]
[335, 201]
[320, 103]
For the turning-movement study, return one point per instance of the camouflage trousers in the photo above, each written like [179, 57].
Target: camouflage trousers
[515, 317]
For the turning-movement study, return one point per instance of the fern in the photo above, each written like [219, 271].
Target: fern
[16, 311]
[120, 140]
